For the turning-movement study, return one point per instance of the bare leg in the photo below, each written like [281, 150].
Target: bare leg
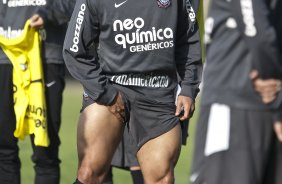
[99, 133]
[158, 157]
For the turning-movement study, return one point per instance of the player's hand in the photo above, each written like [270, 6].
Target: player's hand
[184, 107]
[267, 88]
[117, 108]
[277, 126]
[36, 21]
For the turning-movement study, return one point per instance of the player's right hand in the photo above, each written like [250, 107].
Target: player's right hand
[117, 108]
[36, 21]
[267, 88]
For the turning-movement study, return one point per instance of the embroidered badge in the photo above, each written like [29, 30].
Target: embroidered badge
[85, 96]
[164, 3]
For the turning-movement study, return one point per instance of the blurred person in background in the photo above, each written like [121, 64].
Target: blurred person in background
[14, 14]
[238, 138]
[109, 99]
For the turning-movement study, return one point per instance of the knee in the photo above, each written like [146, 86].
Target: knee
[88, 173]
[44, 158]
[162, 175]
[167, 178]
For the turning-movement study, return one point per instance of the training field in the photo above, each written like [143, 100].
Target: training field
[71, 106]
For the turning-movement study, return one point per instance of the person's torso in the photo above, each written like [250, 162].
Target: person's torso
[137, 36]
[228, 61]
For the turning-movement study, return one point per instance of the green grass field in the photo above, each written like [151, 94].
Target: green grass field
[71, 107]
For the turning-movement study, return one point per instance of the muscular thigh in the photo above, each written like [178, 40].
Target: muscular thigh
[99, 131]
[159, 155]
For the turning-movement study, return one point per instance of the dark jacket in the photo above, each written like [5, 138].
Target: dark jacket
[58, 12]
[136, 47]
[241, 36]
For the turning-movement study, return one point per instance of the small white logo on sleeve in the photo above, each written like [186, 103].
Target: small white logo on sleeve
[79, 21]
[4, 1]
[118, 5]
[48, 85]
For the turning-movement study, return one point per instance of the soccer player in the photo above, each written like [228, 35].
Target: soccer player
[241, 99]
[59, 12]
[133, 81]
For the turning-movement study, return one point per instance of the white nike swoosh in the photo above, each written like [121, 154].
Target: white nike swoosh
[48, 85]
[118, 5]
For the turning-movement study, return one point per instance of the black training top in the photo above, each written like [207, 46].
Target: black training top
[141, 43]
[241, 35]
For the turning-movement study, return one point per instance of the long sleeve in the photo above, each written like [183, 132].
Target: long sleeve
[277, 115]
[195, 4]
[252, 18]
[188, 51]
[81, 61]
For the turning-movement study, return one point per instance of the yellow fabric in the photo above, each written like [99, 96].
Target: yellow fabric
[29, 95]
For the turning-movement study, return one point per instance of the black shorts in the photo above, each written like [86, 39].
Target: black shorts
[150, 112]
[125, 154]
[250, 152]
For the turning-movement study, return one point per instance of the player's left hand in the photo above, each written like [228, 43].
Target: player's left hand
[277, 126]
[36, 21]
[184, 107]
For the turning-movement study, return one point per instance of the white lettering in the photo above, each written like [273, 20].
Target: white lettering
[248, 17]
[118, 22]
[130, 32]
[128, 24]
[143, 80]
[139, 26]
[74, 48]
[190, 11]
[146, 36]
[19, 3]
[168, 33]
[9, 33]
[151, 46]
[79, 21]
[120, 39]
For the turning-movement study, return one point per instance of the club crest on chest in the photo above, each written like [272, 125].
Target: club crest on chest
[164, 3]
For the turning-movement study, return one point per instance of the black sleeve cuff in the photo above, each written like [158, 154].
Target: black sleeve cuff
[43, 14]
[189, 91]
[277, 116]
[105, 98]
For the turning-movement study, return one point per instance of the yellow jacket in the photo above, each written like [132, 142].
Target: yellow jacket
[29, 94]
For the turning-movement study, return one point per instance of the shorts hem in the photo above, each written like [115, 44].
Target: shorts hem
[156, 133]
